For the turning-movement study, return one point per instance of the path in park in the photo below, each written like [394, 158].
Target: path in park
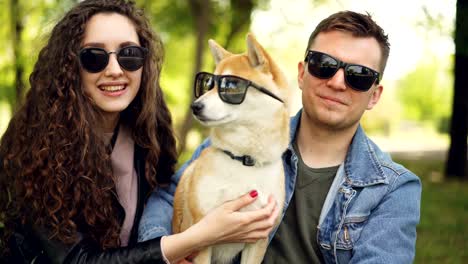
[414, 149]
[421, 154]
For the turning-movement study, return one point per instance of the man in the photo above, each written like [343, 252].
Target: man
[346, 200]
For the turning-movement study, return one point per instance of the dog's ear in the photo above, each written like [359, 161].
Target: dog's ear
[257, 55]
[218, 52]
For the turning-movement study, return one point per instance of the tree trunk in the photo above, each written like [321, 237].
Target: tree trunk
[456, 166]
[241, 10]
[16, 30]
[200, 11]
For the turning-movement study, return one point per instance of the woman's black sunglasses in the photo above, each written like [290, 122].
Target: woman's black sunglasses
[130, 58]
[324, 66]
[231, 89]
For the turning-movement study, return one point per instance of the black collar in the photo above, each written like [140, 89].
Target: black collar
[246, 159]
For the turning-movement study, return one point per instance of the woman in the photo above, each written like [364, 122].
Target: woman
[92, 139]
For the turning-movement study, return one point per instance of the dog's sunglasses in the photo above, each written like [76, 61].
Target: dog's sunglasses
[324, 66]
[130, 58]
[231, 89]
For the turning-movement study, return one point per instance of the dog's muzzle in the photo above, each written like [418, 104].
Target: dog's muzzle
[197, 108]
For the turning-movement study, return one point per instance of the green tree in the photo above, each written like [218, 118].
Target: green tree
[425, 92]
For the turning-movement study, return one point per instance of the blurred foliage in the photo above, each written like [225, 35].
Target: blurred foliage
[423, 97]
[380, 121]
[426, 93]
[36, 19]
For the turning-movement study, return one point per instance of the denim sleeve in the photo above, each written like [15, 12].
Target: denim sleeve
[389, 236]
[156, 220]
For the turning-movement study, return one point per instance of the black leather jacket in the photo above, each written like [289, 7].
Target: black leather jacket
[31, 245]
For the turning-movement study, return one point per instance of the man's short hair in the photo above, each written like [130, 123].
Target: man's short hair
[359, 25]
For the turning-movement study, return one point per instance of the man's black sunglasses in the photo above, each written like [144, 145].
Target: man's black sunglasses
[231, 89]
[130, 58]
[324, 66]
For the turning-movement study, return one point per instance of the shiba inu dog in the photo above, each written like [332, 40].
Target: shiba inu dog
[245, 104]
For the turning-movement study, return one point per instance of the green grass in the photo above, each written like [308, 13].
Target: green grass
[443, 229]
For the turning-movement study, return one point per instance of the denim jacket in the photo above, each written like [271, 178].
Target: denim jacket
[369, 215]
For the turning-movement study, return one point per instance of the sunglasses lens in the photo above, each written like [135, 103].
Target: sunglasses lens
[232, 90]
[322, 66]
[131, 58]
[203, 83]
[94, 59]
[359, 77]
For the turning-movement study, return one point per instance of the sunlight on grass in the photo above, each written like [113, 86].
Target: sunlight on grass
[442, 229]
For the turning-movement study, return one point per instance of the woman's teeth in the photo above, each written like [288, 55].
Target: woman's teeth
[112, 88]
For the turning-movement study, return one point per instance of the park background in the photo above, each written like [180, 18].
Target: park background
[412, 120]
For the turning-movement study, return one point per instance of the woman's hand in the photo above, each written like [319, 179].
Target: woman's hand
[224, 224]
[227, 224]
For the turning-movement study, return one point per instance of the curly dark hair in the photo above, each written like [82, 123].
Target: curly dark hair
[56, 167]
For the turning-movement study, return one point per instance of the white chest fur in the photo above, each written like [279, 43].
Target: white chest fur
[225, 179]
[228, 179]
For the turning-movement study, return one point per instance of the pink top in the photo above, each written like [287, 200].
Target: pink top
[122, 158]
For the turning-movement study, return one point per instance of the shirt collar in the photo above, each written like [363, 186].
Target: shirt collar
[362, 166]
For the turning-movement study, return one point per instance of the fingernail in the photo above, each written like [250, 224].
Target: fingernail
[253, 194]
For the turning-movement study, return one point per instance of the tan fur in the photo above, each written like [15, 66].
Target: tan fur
[258, 127]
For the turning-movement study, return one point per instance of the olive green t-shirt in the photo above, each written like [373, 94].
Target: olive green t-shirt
[296, 238]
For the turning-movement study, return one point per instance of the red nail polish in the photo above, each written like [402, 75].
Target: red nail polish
[253, 194]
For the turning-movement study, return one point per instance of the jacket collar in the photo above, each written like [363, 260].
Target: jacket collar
[293, 126]
[362, 166]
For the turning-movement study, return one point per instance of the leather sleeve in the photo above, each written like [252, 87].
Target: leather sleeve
[35, 247]
[144, 252]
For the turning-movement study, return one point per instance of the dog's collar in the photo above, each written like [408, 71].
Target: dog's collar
[246, 159]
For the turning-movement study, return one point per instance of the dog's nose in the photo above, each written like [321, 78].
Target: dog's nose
[197, 107]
